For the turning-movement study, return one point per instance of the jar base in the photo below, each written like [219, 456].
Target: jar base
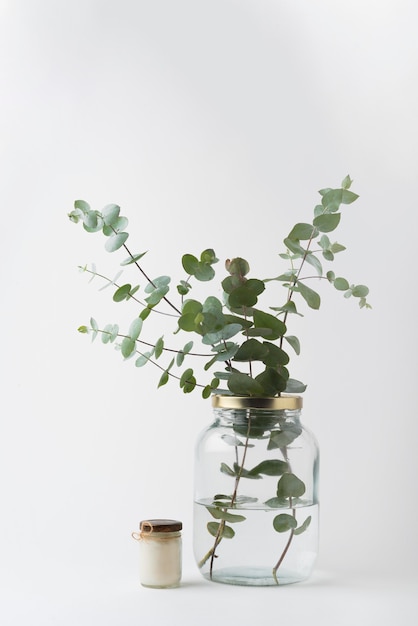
[252, 577]
[173, 586]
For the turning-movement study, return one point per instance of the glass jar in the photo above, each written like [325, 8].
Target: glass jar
[160, 550]
[256, 493]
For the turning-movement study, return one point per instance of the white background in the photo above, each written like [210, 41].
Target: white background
[213, 124]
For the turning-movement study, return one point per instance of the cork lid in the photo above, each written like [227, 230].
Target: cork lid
[160, 526]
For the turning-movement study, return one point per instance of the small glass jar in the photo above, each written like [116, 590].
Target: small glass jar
[256, 493]
[160, 553]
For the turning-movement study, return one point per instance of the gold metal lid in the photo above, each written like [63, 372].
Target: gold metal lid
[291, 403]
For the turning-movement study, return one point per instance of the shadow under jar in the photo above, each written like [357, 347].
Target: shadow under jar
[256, 502]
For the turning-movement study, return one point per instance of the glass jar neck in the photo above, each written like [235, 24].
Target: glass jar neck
[256, 418]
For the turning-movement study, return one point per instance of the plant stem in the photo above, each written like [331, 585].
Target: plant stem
[295, 280]
[287, 546]
[111, 282]
[292, 532]
[149, 280]
[211, 554]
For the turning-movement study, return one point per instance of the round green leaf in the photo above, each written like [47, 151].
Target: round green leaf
[122, 293]
[284, 522]
[341, 284]
[360, 291]
[251, 350]
[227, 532]
[244, 385]
[302, 231]
[116, 241]
[110, 214]
[189, 263]
[327, 222]
[290, 486]
[242, 297]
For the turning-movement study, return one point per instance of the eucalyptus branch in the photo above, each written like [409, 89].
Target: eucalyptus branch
[130, 296]
[149, 279]
[212, 553]
[237, 330]
[286, 549]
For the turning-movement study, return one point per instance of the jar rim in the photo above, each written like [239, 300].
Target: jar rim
[290, 403]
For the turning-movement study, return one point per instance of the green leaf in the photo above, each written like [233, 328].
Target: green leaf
[282, 438]
[231, 440]
[290, 486]
[237, 267]
[289, 307]
[346, 184]
[284, 522]
[225, 469]
[164, 379]
[122, 293]
[145, 313]
[143, 359]
[324, 242]
[190, 263]
[327, 222]
[127, 347]
[301, 231]
[251, 350]
[83, 329]
[360, 291]
[337, 247]
[110, 214]
[82, 205]
[244, 385]
[135, 328]
[242, 297]
[118, 225]
[309, 295]
[275, 326]
[106, 335]
[208, 256]
[334, 197]
[294, 342]
[157, 283]
[93, 324]
[295, 386]
[328, 255]
[189, 385]
[228, 331]
[341, 284]
[188, 373]
[227, 531]
[228, 517]
[157, 295]
[277, 503]
[204, 272]
[206, 392]
[315, 262]
[159, 347]
[92, 222]
[264, 320]
[271, 381]
[116, 241]
[294, 247]
[273, 467]
[304, 526]
[275, 356]
[133, 259]
[331, 276]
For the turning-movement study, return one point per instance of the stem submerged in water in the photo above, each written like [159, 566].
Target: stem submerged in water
[212, 552]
